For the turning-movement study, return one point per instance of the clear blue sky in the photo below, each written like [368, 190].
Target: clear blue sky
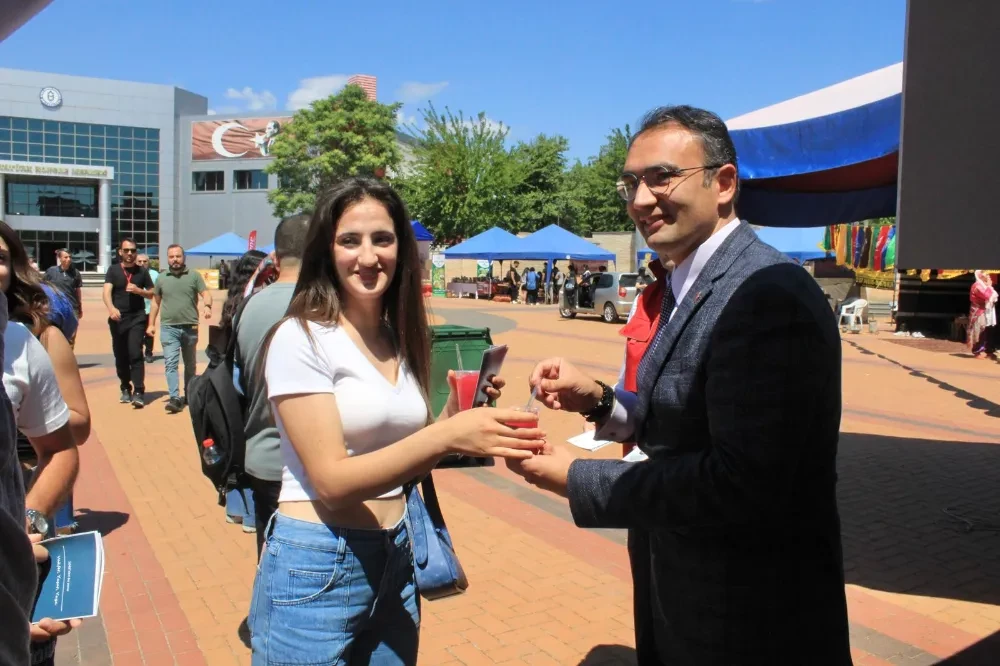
[555, 67]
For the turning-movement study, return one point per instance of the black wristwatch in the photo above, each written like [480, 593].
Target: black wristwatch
[603, 407]
[37, 522]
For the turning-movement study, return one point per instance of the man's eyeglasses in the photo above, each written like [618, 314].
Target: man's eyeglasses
[657, 179]
[129, 250]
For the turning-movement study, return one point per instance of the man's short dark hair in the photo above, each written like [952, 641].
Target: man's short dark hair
[127, 239]
[290, 237]
[707, 126]
[173, 245]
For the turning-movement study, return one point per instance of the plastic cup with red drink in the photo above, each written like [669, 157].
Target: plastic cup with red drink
[532, 423]
[467, 384]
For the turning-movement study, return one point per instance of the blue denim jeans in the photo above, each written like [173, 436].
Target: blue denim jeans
[330, 595]
[239, 504]
[179, 341]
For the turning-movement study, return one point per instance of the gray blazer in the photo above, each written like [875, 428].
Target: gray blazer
[738, 408]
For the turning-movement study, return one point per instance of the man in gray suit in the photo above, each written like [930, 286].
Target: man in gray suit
[737, 559]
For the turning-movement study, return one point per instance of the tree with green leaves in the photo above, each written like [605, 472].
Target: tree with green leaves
[593, 203]
[344, 135]
[540, 194]
[463, 180]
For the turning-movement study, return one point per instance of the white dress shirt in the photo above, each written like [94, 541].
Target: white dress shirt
[619, 426]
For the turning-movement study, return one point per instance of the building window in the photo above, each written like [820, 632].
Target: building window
[42, 245]
[249, 180]
[135, 196]
[208, 181]
[51, 199]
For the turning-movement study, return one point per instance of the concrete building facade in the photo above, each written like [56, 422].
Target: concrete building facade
[85, 162]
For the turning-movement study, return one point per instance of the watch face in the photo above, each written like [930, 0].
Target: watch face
[39, 523]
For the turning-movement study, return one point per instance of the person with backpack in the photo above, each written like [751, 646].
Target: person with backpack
[531, 285]
[240, 509]
[348, 376]
[260, 313]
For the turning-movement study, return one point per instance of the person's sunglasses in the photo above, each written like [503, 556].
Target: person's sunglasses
[657, 179]
[129, 250]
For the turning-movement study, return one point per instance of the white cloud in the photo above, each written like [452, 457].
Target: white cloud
[415, 91]
[255, 101]
[315, 88]
[211, 112]
[403, 119]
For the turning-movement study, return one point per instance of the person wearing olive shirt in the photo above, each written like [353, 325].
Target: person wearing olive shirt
[126, 286]
[175, 299]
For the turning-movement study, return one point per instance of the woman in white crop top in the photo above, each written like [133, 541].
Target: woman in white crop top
[347, 373]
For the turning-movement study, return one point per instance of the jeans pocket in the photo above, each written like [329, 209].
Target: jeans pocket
[301, 586]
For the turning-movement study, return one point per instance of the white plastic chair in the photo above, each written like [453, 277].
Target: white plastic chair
[852, 312]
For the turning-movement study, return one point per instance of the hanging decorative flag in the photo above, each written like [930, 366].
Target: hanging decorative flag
[883, 236]
[841, 244]
[890, 250]
[252, 245]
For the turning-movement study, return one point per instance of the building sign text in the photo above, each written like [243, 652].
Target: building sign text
[57, 170]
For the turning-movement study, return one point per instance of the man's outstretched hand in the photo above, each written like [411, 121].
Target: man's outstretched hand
[548, 469]
[564, 387]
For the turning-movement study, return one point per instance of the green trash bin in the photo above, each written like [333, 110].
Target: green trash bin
[471, 342]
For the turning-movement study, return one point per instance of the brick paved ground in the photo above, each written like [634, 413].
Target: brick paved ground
[920, 465]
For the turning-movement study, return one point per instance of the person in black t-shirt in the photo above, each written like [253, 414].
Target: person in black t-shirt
[65, 276]
[126, 286]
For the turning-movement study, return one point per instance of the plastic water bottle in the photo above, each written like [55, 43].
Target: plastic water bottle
[210, 453]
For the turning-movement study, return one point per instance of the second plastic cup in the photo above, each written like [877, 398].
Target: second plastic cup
[524, 424]
[467, 383]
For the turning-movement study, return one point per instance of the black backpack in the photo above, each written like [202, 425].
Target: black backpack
[217, 412]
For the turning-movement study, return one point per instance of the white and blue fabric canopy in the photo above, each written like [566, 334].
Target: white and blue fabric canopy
[827, 157]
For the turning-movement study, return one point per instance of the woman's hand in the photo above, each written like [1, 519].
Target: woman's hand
[483, 432]
[47, 629]
[493, 392]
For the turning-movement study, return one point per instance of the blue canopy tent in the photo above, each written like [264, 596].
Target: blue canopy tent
[226, 245]
[644, 255]
[493, 244]
[804, 244]
[421, 232]
[553, 242]
[824, 158]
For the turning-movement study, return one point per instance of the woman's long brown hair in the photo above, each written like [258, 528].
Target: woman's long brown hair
[26, 300]
[317, 297]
